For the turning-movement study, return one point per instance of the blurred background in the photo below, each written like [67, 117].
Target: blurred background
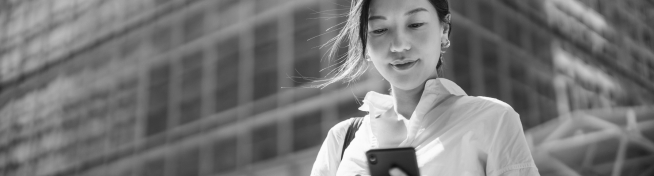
[215, 87]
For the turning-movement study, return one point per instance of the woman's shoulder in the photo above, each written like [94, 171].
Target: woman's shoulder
[487, 114]
[481, 104]
[486, 102]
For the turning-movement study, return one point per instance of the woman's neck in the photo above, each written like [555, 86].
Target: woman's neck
[407, 100]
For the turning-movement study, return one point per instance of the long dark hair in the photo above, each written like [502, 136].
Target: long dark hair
[353, 64]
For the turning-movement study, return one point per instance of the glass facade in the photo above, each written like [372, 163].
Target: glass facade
[191, 87]
[265, 78]
[158, 99]
[304, 133]
[224, 155]
[178, 87]
[227, 74]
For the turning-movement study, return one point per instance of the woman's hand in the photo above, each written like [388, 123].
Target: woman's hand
[396, 172]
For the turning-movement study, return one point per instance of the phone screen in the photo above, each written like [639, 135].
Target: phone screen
[380, 161]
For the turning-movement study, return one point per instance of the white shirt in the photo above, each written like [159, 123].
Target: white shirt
[463, 135]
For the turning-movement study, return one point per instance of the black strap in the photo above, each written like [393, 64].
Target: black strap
[349, 136]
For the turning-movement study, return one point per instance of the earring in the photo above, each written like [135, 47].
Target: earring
[441, 61]
[445, 44]
[439, 72]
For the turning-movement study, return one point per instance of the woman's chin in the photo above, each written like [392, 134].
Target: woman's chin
[406, 84]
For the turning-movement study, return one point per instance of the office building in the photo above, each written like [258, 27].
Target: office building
[204, 87]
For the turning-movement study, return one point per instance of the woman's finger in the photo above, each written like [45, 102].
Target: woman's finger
[396, 172]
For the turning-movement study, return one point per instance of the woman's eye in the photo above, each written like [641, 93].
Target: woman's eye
[379, 31]
[416, 25]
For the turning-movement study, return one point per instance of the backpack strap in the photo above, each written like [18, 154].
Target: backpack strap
[349, 136]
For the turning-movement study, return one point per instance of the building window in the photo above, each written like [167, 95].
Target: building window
[489, 54]
[127, 49]
[486, 15]
[191, 87]
[193, 26]
[263, 5]
[547, 110]
[648, 39]
[513, 31]
[226, 97]
[307, 68]
[307, 131]
[154, 167]
[638, 65]
[224, 155]
[545, 87]
[264, 142]
[490, 68]
[307, 41]
[156, 122]
[517, 71]
[228, 12]
[521, 102]
[192, 75]
[227, 73]
[190, 110]
[161, 38]
[541, 48]
[349, 109]
[188, 162]
[265, 65]
[492, 84]
[158, 91]
[159, 95]
[265, 62]
[122, 132]
[461, 65]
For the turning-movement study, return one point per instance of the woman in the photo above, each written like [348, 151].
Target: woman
[453, 134]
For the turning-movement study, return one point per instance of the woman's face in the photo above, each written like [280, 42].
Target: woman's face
[404, 41]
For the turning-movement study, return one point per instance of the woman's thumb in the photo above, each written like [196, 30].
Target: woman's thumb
[396, 172]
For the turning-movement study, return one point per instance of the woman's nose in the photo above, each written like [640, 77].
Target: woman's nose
[400, 43]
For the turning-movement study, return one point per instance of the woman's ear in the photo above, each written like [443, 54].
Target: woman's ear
[367, 56]
[446, 25]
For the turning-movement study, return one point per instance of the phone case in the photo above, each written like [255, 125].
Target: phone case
[380, 161]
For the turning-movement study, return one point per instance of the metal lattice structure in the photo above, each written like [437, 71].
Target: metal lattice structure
[614, 142]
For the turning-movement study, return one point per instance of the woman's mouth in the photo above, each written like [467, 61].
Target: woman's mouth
[403, 64]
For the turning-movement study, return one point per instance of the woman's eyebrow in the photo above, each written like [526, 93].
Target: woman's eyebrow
[376, 18]
[411, 12]
[416, 10]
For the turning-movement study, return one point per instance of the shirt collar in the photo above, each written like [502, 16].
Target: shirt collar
[376, 103]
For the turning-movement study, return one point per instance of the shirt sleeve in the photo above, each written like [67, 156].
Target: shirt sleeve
[329, 156]
[508, 152]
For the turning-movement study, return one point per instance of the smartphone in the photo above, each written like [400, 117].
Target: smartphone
[380, 161]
